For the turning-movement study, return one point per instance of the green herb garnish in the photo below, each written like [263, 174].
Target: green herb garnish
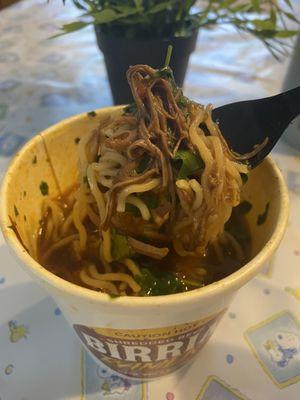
[44, 188]
[16, 211]
[187, 163]
[261, 219]
[34, 160]
[165, 73]
[91, 114]
[77, 140]
[244, 207]
[131, 108]
[120, 247]
[113, 296]
[168, 56]
[183, 102]
[156, 282]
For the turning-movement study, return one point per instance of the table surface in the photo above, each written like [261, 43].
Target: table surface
[43, 81]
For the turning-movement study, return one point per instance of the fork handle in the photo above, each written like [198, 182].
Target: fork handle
[289, 103]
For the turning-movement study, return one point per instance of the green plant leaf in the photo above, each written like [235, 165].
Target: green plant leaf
[273, 17]
[256, 5]
[159, 7]
[127, 10]
[288, 2]
[71, 27]
[264, 24]
[291, 16]
[286, 34]
[156, 282]
[78, 4]
[264, 19]
[138, 3]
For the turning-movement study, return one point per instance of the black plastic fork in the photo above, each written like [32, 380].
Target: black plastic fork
[246, 124]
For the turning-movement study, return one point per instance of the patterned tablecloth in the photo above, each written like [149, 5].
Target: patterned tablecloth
[255, 352]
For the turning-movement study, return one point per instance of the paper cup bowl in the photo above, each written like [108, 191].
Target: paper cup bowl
[140, 337]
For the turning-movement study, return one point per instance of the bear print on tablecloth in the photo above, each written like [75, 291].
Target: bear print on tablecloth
[111, 383]
[283, 347]
[99, 380]
[276, 344]
[17, 331]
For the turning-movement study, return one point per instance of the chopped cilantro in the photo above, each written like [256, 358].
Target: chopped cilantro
[113, 296]
[16, 211]
[91, 114]
[120, 247]
[156, 282]
[261, 218]
[44, 188]
[182, 102]
[131, 108]
[187, 163]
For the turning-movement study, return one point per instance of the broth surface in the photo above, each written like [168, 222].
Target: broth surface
[171, 275]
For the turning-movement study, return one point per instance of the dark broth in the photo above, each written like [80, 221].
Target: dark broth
[171, 275]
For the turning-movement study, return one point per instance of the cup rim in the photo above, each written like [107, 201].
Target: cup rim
[230, 283]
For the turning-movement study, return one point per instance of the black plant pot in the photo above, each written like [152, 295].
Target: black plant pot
[119, 53]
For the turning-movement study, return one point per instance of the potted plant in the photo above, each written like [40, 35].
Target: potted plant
[139, 31]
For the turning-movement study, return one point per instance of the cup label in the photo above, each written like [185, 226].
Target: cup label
[147, 353]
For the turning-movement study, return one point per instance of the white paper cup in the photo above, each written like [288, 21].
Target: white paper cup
[141, 337]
